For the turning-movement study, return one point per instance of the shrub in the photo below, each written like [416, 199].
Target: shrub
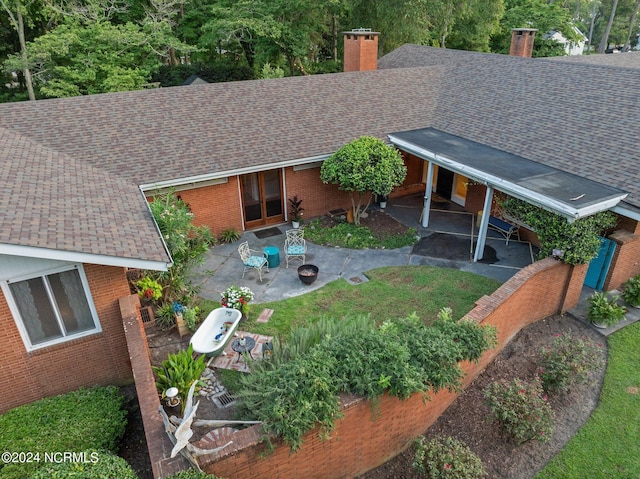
[191, 474]
[521, 410]
[604, 309]
[446, 457]
[86, 419]
[346, 235]
[179, 370]
[191, 317]
[631, 291]
[149, 288]
[165, 316]
[229, 235]
[568, 361]
[92, 465]
[402, 357]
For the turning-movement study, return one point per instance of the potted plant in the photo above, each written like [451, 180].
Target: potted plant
[604, 311]
[631, 291]
[382, 199]
[295, 211]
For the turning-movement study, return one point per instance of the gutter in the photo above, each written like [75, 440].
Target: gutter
[193, 180]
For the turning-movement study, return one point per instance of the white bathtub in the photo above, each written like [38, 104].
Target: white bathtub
[215, 331]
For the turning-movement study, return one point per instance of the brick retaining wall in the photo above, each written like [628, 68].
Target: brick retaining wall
[366, 437]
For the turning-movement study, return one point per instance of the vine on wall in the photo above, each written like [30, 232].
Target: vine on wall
[579, 240]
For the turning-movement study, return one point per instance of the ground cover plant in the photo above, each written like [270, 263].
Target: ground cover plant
[79, 421]
[607, 446]
[350, 235]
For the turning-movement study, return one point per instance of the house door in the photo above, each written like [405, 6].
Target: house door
[444, 184]
[599, 266]
[262, 198]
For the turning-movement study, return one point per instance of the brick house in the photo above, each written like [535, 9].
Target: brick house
[75, 173]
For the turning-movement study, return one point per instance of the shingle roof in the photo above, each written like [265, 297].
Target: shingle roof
[53, 201]
[577, 117]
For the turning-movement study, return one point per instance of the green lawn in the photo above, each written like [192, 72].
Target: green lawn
[608, 446]
[391, 292]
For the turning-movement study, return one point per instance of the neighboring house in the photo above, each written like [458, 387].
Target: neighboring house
[570, 47]
[75, 172]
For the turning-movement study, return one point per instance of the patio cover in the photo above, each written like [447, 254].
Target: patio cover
[555, 190]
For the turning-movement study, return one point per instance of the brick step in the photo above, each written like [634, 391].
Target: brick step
[265, 315]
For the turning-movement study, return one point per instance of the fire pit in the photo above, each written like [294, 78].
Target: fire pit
[308, 273]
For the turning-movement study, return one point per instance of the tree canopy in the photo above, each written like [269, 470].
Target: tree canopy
[364, 167]
[79, 47]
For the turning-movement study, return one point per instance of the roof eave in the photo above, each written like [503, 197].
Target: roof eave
[77, 257]
[193, 180]
[509, 187]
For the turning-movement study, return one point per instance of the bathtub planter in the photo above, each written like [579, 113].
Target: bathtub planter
[215, 331]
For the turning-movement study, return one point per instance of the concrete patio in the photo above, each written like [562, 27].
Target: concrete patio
[448, 224]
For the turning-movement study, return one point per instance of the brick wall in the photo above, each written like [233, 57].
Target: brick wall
[626, 258]
[158, 442]
[216, 206]
[101, 358]
[366, 437]
[317, 197]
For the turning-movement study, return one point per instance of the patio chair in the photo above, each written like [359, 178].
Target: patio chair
[294, 245]
[252, 261]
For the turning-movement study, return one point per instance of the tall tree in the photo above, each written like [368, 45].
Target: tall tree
[15, 10]
[604, 41]
[632, 26]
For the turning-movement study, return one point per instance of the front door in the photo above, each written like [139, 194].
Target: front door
[262, 198]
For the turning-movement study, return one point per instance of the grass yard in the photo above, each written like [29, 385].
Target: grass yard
[608, 446]
[391, 292]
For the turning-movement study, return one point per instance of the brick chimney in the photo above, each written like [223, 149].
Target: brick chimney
[522, 42]
[360, 50]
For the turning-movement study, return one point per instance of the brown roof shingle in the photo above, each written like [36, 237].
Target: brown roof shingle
[577, 117]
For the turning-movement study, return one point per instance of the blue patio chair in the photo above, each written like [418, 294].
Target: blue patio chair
[294, 245]
[251, 261]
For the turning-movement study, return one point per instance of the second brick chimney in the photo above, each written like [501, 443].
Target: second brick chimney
[360, 50]
[522, 42]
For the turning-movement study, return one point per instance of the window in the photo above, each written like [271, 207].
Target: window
[53, 308]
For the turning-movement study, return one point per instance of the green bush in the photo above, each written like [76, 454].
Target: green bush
[180, 370]
[401, 357]
[446, 458]
[604, 309]
[568, 361]
[631, 291]
[192, 474]
[92, 465]
[521, 410]
[86, 419]
[229, 235]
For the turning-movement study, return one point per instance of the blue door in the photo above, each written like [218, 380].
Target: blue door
[599, 266]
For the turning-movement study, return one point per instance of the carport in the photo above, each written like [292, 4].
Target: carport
[565, 194]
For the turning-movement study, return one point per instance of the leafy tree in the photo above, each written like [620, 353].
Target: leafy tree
[366, 165]
[397, 21]
[75, 59]
[540, 14]
[16, 11]
[186, 242]
[475, 24]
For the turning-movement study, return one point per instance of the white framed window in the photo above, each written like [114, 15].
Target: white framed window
[52, 307]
